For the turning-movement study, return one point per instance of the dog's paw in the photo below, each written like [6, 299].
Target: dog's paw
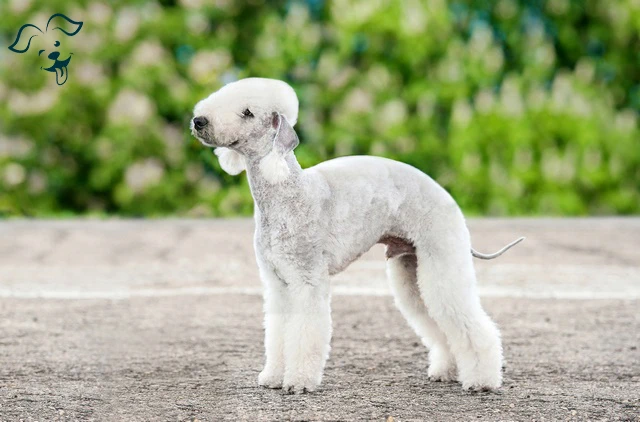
[442, 367]
[270, 379]
[479, 389]
[482, 382]
[300, 385]
[292, 389]
[442, 373]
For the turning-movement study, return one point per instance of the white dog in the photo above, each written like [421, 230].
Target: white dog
[312, 223]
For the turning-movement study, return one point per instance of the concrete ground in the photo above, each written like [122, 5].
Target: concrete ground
[161, 320]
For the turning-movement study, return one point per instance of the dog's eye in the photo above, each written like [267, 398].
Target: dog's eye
[247, 113]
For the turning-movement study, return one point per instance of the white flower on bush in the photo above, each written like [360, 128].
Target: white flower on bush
[449, 70]
[391, 114]
[353, 13]
[545, 55]
[462, 113]
[205, 65]
[173, 137]
[328, 66]
[580, 106]
[193, 173]
[510, 98]
[379, 78]
[90, 42]
[493, 59]
[22, 104]
[414, 17]
[192, 4]
[127, 23]
[99, 13]
[131, 107]
[14, 174]
[197, 23]
[561, 91]
[481, 40]
[14, 147]
[471, 163]
[207, 186]
[558, 166]
[229, 76]
[626, 120]
[178, 88]
[585, 70]
[150, 11]
[143, 174]
[148, 53]
[426, 105]
[268, 46]
[341, 79]
[19, 6]
[484, 101]
[37, 182]
[558, 7]
[358, 101]
[104, 148]
[536, 97]
[506, 9]
[90, 74]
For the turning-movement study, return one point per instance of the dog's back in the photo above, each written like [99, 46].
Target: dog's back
[371, 198]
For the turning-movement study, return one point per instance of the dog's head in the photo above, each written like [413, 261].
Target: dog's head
[251, 119]
[58, 27]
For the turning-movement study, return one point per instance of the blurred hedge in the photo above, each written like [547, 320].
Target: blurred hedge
[516, 107]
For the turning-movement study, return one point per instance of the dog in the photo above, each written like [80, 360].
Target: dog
[29, 31]
[312, 223]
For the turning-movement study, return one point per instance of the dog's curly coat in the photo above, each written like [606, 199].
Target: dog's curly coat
[312, 223]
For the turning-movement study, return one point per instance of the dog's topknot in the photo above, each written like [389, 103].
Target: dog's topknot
[271, 94]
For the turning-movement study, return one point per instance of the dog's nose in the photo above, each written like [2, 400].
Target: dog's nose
[200, 122]
[54, 55]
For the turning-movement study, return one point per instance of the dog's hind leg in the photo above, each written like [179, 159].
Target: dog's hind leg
[447, 281]
[401, 271]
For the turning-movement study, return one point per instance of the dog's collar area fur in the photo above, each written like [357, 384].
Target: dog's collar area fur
[274, 168]
[230, 161]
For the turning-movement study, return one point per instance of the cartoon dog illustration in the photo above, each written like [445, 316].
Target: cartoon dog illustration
[29, 31]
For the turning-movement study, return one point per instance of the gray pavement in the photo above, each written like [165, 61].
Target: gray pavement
[161, 320]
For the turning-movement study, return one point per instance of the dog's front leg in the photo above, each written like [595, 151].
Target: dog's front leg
[276, 309]
[307, 335]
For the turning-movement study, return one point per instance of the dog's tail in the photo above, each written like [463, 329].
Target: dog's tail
[495, 254]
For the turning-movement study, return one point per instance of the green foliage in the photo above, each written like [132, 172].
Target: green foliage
[516, 107]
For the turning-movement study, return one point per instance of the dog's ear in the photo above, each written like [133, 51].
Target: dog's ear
[274, 166]
[285, 139]
[63, 23]
[230, 161]
[23, 39]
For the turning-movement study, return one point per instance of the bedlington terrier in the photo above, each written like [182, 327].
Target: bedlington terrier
[312, 223]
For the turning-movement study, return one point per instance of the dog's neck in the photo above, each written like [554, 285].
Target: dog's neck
[270, 196]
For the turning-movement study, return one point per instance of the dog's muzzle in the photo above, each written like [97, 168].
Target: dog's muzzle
[200, 122]
[200, 129]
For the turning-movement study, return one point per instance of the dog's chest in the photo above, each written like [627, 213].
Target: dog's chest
[275, 237]
[283, 246]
